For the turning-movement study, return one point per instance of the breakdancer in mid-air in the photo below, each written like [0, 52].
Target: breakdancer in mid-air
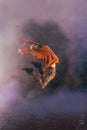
[46, 70]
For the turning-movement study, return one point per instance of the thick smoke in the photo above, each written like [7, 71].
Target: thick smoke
[51, 34]
[62, 103]
[71, 56]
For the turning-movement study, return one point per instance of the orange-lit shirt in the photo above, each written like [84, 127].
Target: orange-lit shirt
[44, 53]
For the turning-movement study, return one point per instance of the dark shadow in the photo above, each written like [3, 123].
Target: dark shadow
[51, 34]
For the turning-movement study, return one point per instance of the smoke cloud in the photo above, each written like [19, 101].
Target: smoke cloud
[71, 52]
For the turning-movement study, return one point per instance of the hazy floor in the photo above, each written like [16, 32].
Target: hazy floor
[64, 110]
[48, 123]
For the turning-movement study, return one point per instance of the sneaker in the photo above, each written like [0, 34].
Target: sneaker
[28, 70]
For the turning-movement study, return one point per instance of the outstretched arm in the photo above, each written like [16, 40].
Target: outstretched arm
[35, 53]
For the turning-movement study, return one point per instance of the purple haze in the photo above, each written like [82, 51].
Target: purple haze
[71, 16]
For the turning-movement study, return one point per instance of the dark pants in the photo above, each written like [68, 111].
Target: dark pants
[44, 76]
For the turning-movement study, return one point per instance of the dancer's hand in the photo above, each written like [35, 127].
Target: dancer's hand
[20, 51]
